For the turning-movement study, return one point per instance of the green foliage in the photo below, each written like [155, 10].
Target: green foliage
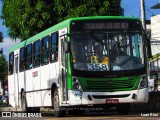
[25, 18]
[3, 68]
[155, 57]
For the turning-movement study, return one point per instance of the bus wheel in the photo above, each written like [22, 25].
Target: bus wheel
[57, 109]
[124, 109]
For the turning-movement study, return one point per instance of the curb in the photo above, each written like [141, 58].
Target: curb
[6, 109]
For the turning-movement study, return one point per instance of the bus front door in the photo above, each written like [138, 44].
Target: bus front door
[16, 81]
[63, 70]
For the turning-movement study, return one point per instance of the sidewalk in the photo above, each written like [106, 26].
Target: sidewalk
[7, 108]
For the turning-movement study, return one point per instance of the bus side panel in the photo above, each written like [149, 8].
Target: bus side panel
[45, 86]
[29, 89]
[21, 84]
[53, 71]
[36, 77]
[11, 90]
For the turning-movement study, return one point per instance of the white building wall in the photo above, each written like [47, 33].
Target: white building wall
[155, 34]
[155, 47]
[155, 27]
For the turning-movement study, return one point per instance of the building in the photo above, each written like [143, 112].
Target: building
[155, 46]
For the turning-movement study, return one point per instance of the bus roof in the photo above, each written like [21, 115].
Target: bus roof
[61, 25]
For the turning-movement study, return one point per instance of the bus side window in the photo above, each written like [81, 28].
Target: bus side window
[22, 60]
[11, 63]
[29, 56]
[45, 50]
[36, 53]
[54, 48]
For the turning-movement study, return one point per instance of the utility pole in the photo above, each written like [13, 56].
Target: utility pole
[1, 52]
[1, 74]
[1, 40]
[143, 14]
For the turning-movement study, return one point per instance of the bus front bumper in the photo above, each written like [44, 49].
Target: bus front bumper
[93, 98]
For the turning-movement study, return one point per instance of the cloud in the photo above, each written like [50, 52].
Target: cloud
[7, 44]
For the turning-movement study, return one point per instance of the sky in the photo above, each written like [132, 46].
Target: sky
[7, 41]
[131, 8]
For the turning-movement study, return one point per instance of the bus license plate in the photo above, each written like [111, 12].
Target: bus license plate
[112, 101]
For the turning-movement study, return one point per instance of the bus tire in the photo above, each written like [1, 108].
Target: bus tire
[124, 108]
[58, 111]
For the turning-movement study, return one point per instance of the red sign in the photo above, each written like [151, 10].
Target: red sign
[35, 74]
[112, 101]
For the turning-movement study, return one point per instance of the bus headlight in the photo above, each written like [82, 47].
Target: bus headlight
[143, 82]
[75, 84]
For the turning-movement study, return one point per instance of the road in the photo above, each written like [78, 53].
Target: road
[106, 116]
[92, 116]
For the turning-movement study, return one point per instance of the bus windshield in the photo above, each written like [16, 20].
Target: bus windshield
[107, 51]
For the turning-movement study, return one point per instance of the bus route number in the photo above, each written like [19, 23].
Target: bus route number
[97, 67]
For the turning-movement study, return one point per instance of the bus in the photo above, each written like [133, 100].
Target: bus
[85, 62]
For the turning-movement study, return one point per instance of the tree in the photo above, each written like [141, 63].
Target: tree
[3, 69]
[25, 18]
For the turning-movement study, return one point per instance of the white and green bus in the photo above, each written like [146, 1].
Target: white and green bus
[99, 61]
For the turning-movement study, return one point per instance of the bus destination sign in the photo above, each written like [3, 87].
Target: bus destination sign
[105, 25]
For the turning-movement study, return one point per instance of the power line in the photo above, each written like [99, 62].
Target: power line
[158, 46]
[150, 11]
[127, 9]
[136, 11]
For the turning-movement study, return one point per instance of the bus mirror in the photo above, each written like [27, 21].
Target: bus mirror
[148, 38]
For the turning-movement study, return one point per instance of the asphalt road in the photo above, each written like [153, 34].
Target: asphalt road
[91, 116]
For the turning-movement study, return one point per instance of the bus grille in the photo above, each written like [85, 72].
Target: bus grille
[108, 85]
